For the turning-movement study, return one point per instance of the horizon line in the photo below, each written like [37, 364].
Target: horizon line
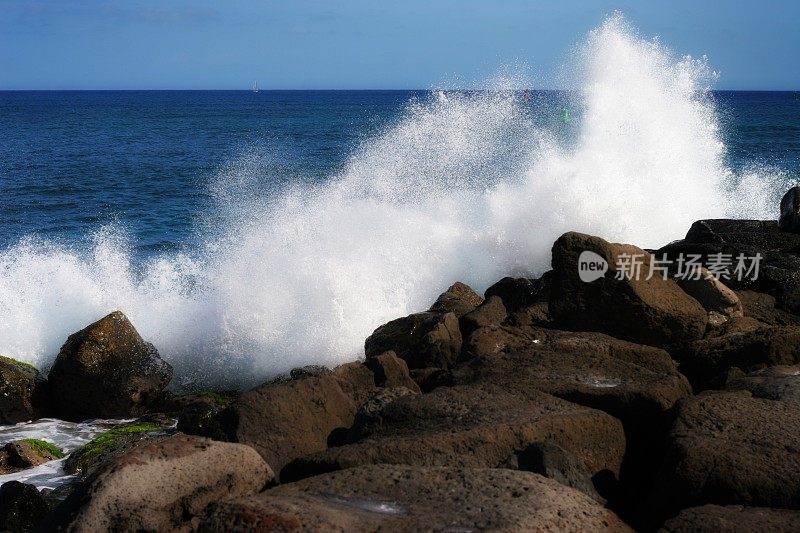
[544, 89]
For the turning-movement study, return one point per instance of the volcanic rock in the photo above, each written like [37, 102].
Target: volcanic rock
[422, 340]
[652, 311]
[789, 220]
[162, 485]
[106, 370]
[473, 426]
[732, 519]
[413, 498]
[729, 448]
[23, 392]
[458, 299]
[22, 507]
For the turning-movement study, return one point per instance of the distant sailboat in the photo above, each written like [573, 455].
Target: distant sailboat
[255, 87]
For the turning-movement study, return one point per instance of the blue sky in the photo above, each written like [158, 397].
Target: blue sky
[360, 44]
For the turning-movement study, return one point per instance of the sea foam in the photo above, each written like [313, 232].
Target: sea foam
[465, 186]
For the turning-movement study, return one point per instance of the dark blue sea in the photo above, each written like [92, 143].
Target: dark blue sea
[73, 161]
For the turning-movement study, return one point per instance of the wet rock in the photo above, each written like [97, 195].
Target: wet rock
[473, 426]
[491, 312]
[458, 299]
[106, 370]
[651, 311]
[23, 392]
[282, 421]
[789, 220]
[728, 448]
[173, 404]
[732, 519]
[113, 443]
[413, 498]
[763, 234]
[762, 307]
[519, 293]
[778, 271]
[749, 349]
[637, 384]
[554, 462]
[713, 295]
[422, 340]
[369, 418]
[162, 485]
[633, 382]
[430, 378]
[197, 418]
[773, 383]
[22, 507]
[27, 453]
[390, 371]
[309, 371]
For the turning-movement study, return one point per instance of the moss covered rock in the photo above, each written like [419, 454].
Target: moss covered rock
[23, 392]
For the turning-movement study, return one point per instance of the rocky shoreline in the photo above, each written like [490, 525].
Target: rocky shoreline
[623, 403]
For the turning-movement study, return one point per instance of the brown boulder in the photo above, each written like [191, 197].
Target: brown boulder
[730, 448]
[519, 293]
[413, 498]
[285, 420]
[732, 519]
[474, 426]
[106, 370]
[491, 312]
[22, 507]
[774, 383]
[633, 382]
[721, 302]
[458, 299]
[748, 348]
[422, 340]
[162, 485]
[23, 392]
[651, 311]
[763, 308]
[390, 371]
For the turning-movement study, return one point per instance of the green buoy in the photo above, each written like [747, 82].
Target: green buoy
[565, 115]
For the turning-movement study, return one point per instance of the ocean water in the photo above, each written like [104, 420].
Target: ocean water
[248, 233]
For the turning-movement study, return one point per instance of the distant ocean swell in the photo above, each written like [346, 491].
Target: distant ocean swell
[464, 187]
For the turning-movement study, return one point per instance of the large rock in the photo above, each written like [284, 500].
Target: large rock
[390, 371]
[789, 220]
[760, 234]
[749, 349]
[773, 383]
[554, 462]
[282, 421]
[651, 311]
[106, 370]
[635, 383]
[732, 519]
[763, 308]
[422, 340]
[22, 507]
[408, 498]
[458, 299]
[162, 485]
[491, 312]
[474, 426]
[721, 302]
[778, 268]
[23, 392]
[730, 448]
[519, 293]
